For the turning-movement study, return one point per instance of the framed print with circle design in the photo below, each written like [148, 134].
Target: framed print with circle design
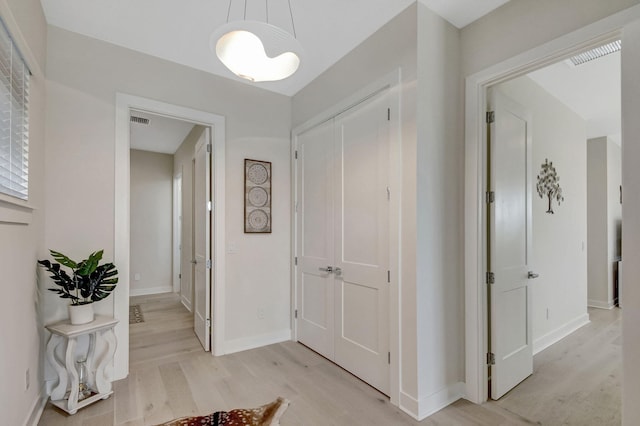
[257, 197]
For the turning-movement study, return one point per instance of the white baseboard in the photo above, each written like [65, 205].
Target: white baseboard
[599, 304]
[559, 333]
[428, 405]
[37, 408]
[150, 290]
[246, 343]
[186, 303]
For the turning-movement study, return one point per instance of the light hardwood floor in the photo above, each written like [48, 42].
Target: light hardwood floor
[575, 382]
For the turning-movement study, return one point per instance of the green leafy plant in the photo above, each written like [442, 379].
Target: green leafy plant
[88, 281]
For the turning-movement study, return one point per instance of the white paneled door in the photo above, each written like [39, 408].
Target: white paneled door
[202, 240]
[343, 239]
[510, 244]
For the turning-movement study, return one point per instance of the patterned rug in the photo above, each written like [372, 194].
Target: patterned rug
[266, 415]
[135, 314]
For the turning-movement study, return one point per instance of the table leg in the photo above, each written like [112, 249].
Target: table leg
[61, 386]
[70, 361]
[103, 385]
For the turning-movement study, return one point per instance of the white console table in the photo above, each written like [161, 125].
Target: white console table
[65, 393]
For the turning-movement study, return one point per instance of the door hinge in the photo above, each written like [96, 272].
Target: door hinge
[491, 358]
[296, 154]
[209, 264]
[208, 322]
[491, 117]
[490, 197]
[389, 277]
[388, 193]
[208, 147]
[389, 357]
[295, 260]
[295, 314]
[388, 114]
[180, 276]
[491, 278]
[209, 205]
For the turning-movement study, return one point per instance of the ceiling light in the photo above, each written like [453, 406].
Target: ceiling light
[257, 51]
[596, 53]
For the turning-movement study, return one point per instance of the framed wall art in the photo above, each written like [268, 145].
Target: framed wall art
[257, 197]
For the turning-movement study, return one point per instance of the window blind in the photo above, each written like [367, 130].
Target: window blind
[14, 119]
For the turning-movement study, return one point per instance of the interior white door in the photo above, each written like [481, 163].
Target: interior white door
[362, 241]
[202, 240]
[315, 239]
[343, 240]
[510, 244]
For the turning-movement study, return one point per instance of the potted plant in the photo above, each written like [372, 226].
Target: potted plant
[88, 282]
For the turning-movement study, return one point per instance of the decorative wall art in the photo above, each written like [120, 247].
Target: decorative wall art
[257, 197]
[548, 184]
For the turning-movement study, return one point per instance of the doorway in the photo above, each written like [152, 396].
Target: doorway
[124, 104]
[477, 334]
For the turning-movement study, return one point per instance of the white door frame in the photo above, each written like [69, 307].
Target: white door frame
[124, 104]
[177, 231]
[393, 81]
[476, 330]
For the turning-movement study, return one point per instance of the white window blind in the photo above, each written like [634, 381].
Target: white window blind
[14, 119]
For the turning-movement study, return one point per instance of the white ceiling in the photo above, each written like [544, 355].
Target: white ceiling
[591, 90]
[179, 31]
[164, 135]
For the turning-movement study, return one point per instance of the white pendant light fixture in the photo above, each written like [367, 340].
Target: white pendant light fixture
[256, 50]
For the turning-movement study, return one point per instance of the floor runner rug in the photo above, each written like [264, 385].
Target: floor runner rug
[266, 415]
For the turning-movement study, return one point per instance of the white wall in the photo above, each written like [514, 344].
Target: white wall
[560, 239]
[605, 218]
[83, 77]
[630, 225]
[183, 164]
[439, 259]
[151, 223]
[21, 244]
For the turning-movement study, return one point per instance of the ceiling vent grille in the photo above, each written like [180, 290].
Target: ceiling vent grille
[140, 120]
[596, 53]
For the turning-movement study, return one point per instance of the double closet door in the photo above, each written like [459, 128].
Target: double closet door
[342, 239]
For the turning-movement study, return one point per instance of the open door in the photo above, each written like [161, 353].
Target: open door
[202, 240]
[510, 244]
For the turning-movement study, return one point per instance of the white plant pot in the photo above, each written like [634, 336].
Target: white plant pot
[81, 314]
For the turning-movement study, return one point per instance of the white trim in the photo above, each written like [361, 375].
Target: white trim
[177, 231]
[475, 239]
[124, 103]
[186, 304]
[433, 403]
[37, 408]
[393, 82]
[252, 342]
[600, 304]
[150, 290]
[560, 333]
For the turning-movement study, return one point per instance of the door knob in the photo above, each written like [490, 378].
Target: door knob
[328, 269]
[531, 275]
[337, 271]
[194, 261]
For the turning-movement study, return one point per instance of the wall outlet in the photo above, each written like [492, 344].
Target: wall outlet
[27, 380]
[136, 277]
[260, 313]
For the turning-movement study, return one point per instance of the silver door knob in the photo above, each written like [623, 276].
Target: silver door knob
[337, 271]
[531, 275]
[328, 269]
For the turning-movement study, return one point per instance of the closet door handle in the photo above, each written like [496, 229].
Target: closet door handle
[328, 269]
[531, 275]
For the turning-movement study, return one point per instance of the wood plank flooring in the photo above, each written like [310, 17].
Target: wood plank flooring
[171, 376]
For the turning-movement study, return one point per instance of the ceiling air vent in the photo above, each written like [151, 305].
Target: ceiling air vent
[140, 120]
[596, 53]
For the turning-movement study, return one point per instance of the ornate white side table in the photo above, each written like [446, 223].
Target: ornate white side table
[65, 394]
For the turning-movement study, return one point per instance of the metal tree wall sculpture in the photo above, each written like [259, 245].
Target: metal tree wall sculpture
[548, 184]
